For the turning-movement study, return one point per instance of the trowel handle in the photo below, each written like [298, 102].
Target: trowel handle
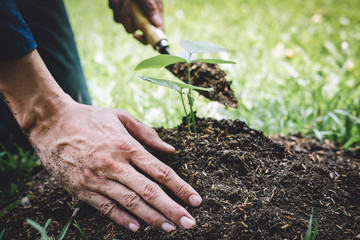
[152, 34]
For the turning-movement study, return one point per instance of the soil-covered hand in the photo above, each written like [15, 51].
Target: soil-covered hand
[97, 155]
[122, 14]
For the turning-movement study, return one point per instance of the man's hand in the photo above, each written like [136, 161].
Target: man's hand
[96, 153]
[122, 14]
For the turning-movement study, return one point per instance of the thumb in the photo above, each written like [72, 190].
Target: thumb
[143, 133]
[154, 11]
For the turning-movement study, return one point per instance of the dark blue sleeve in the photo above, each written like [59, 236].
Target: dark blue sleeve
[16, 38]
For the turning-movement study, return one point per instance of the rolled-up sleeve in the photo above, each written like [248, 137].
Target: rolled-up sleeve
[16, 38]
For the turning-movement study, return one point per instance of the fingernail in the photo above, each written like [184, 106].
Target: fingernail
[156, 19]
[195, 200]
[186, 222]
[133, 227]
[167, 227]
[168, 146]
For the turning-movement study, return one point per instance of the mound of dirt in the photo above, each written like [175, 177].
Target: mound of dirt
[253, 187]
[207, 75]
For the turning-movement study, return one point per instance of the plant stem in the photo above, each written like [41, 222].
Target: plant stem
[186, 114]
[190, 98]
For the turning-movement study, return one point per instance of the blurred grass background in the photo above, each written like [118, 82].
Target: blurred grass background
[297, 62]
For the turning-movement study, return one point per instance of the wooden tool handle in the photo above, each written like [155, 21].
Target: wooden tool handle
[152, 34]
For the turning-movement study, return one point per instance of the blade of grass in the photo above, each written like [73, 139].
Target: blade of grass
[80, 230]
[315, 230]
[64, 230]
[2, 233]
[41, 230]
[308, 232]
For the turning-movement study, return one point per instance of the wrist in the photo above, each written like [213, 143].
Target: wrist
[31, 92]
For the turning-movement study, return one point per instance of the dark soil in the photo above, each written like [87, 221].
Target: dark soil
[208, 76]
[253, 186]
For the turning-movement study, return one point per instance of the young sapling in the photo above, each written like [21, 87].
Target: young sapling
[191, 47]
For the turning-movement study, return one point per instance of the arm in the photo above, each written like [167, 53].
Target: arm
[95, 152]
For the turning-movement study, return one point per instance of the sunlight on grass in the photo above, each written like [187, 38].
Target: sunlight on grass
[297, 62]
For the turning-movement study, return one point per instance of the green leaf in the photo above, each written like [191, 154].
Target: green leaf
[2, 233]
[159, 61]
[308, 232]
[47, 224]
[177, 86]
[214, 61]
[38, 227]
[80, 230]
[201, 47]
[315, 230]
[64, 230]
[351, 141]
[163, 82]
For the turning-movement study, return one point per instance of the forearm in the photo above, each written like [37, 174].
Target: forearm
[30, 91]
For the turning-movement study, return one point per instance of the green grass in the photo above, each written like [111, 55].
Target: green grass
[16, 169]
[316, 92]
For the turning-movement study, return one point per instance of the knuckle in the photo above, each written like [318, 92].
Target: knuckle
[153, 219]
[163, 173]
[174, 212]
[150, 132]
[131, 201]
[150, 191]
[183, 190]
[102, 163]
[151, 5]
[125, 144]
[106, 207]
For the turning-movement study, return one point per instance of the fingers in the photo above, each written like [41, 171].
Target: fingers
[164, 175]
[122, 13]
[153, 10]
[148, 192]
[135, 204]
[110, 209]
[140, 38]
[143, 133]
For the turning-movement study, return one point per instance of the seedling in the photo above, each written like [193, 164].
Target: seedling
[309, 233]
[42, 229]
[191, 47]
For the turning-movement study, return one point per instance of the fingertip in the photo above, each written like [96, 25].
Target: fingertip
[134, 227]
[168, 147]
[156, 20]
[140, 38]
[195, 200]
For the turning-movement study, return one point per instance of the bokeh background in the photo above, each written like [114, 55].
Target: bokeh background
[297, 63]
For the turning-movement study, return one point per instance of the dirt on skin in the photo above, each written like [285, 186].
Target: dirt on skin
[208, 76]
[253, 187]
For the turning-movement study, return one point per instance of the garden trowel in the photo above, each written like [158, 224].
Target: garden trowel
[202, 74]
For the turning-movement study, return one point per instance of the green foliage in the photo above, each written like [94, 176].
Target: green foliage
[175, 85]
[12, 205]
[16, 169]
[164, 60]
[201, 47]
[42, 230]
[159, 61]
[277, 92]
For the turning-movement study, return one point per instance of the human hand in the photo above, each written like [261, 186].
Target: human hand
[96, 154]
[122, 14]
